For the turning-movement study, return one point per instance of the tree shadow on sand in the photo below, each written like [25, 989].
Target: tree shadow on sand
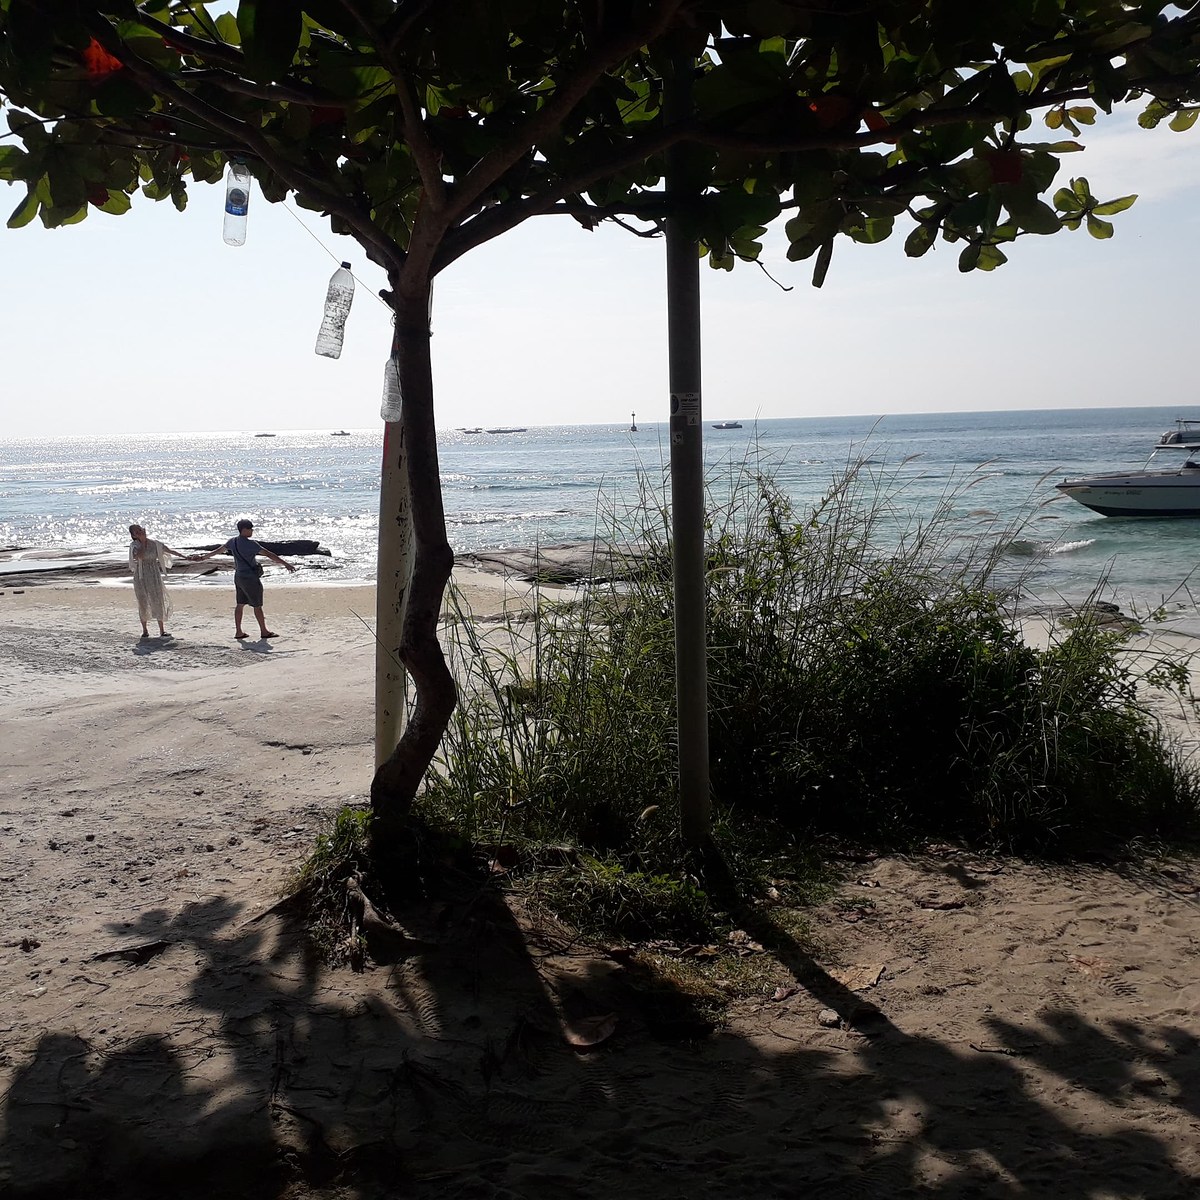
[451, 1072]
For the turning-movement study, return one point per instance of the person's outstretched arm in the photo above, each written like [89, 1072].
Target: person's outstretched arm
[275, 557]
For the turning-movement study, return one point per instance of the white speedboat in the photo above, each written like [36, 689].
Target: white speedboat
[1168, 492]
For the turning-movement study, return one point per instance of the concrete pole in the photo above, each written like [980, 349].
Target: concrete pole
[392, 572]
[687, 477]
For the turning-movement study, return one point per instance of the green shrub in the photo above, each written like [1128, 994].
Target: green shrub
[867, 679]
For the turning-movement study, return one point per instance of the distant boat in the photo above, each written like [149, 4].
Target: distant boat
[728, 425]
[506, 430]
[264, 435]
[339, 433]
[633, 422]
[477, 429]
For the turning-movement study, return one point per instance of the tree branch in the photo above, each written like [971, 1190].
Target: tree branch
[197, 47]
[494, 221]
[285, 93]
[491, 222]
[566, 96]
[427, 157]
[250, 139]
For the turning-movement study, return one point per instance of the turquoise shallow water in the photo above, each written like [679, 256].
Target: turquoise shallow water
[547, 484]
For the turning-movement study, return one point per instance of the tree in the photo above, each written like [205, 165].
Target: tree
[424, 129]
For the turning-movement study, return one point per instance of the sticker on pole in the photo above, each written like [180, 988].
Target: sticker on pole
[687, 406]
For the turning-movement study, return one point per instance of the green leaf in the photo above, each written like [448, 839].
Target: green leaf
[1037, 217]
[1054, 147]
[990, 257]
[116, 204]
[228, 29]
[1184, 119]
[332, 14]
[920, 241]
[24, 212]
[247, 12]
[1085, 115]
[1098, 228]
[1040, 169]
[54, 216]
[29, 129]
[821, 266]
[30, 36]
[1122, 36]
[12, 162]
[1110, 207]
[120, 96]
[1042, 66]
[968, 260]
[745, 248]
[871, 230]
[66, 184]
[270, 31]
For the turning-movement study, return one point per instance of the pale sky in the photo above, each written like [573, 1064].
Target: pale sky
[149, 322]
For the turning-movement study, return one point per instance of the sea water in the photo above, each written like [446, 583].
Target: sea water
[553, 484]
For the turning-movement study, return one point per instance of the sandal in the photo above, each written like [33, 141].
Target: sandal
[240, 636]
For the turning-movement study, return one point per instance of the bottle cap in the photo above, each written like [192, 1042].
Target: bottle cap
[346, 265]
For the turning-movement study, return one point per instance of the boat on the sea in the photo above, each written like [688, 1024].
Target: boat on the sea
[340, 433]
[264, 435]
[476, 429]
[1164, 492]
[728, 425]
[505, 430]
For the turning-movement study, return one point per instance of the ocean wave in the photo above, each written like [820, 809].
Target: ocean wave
[502, 518]
[546, 483]
[1072, 547]
[1030, 548]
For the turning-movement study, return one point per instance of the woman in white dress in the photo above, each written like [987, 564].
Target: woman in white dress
[149, 561]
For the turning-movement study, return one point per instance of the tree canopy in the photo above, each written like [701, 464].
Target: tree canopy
[425, 128]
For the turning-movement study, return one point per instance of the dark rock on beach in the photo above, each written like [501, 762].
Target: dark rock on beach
[21, 565]
[298, 546]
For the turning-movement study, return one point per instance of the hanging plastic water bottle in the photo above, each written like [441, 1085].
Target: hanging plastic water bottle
[389, 410]
[237, 202]
[337, 308]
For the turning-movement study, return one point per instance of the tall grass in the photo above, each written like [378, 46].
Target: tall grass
[867, 680]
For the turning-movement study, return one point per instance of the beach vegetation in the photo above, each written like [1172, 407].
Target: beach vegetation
[870, 686]
[341, 853]
[422, 143]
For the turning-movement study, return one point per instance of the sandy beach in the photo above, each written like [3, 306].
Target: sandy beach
[971, 1026]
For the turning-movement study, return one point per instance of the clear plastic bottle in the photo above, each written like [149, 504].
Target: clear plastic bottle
[237, 202]
[389, 410]
[337, 308]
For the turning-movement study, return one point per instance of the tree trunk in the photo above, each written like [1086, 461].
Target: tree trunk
[415, 589]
